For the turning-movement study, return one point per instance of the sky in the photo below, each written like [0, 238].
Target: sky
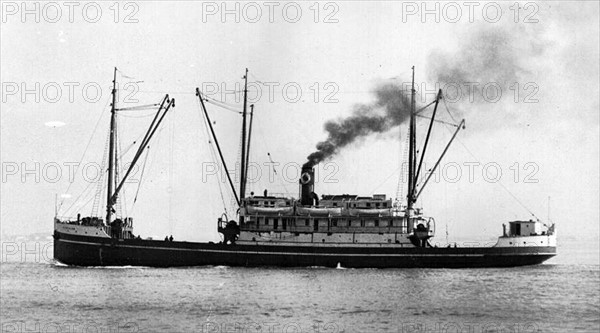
[524, 78]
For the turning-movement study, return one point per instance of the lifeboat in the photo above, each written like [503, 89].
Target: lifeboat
[370, 212]
[269, 210]
[320, 211]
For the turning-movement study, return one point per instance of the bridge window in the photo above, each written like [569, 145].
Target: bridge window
[376, 223]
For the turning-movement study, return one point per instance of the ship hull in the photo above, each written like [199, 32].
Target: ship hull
[80, 250]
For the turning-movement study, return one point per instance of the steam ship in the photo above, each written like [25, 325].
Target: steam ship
[331, 231]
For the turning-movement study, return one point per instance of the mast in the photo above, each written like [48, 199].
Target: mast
[411, 151]
[111, 150]
[243, 159]
[248, 146]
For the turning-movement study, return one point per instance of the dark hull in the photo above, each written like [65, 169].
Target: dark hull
[94, 251]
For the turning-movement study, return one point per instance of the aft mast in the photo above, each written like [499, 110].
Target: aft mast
[111, 151]
[243, 159]
[248, 146]
[412, 158]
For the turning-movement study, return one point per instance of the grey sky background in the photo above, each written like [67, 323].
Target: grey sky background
[548, 147]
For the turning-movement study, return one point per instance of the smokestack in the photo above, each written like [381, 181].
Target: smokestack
[307, 183]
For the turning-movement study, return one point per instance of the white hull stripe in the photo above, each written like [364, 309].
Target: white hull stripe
[330, 245]
[312, 254]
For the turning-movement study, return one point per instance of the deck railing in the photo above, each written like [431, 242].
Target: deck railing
[324, 225]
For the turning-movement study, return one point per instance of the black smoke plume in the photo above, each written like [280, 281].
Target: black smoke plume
[390, 109]
[490, 55]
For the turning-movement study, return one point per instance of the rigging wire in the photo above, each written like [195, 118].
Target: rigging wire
[238, 162]
[122, 199]
[282, 183]
[213, 155]
[171, 144]
[206, 97]
[127, 76]
[140, 116]
[79, 207]
[386, 179]
[141, 177]
[139, 107]
[498, 182]
[85, 150]
[400, 188]
[223, 105]
[455, 124]
[87, 202]
[117, 205]
[77, 199]
[139, 137]
[448, 110]
[438, 121]
[442, 122]
[123, 153]
[266, 144]
[100, 188]
[151, 163]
